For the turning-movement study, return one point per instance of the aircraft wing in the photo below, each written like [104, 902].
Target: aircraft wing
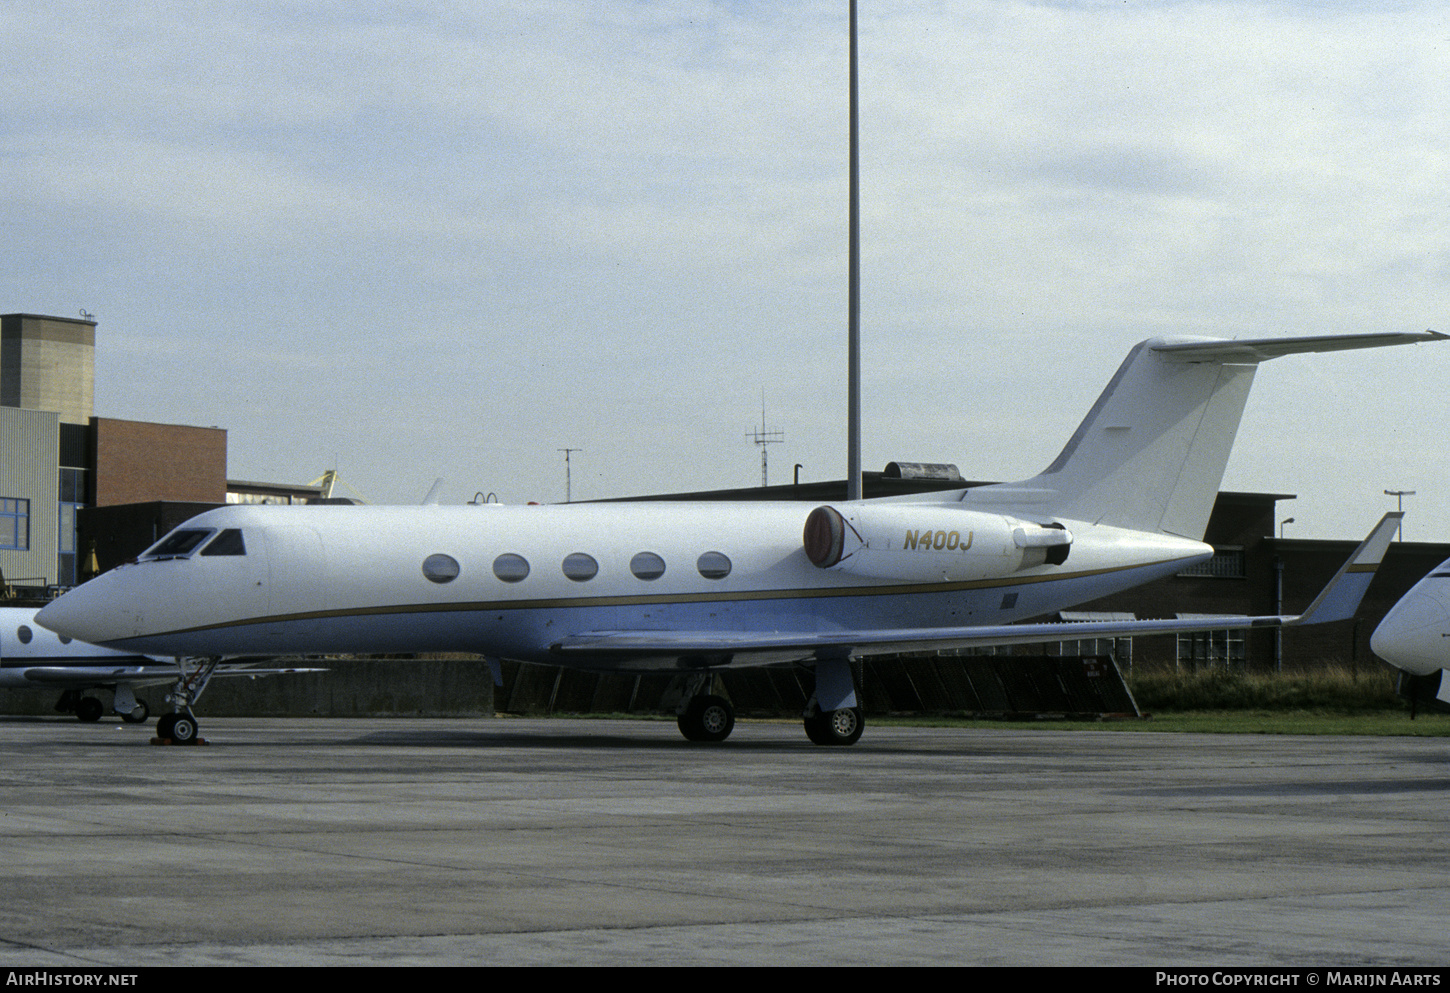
[133, 675]
[1336, 602]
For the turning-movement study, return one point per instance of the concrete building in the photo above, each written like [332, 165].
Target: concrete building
[48, 363]
[29, 496]
[47, 387]
[57, 457]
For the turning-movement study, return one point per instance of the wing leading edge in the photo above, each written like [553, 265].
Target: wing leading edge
[1338, 601]
[147, 675]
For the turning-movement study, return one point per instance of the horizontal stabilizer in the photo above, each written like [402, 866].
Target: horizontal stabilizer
[1253, 350]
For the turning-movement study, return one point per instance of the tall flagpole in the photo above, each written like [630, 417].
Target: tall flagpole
[853, 306]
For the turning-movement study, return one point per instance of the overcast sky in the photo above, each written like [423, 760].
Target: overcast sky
[422, 239]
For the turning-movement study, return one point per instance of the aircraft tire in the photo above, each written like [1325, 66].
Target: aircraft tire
[707, 718]
[183, 729]
[139, 715]
[164, 725]
[836, 727]
[89, 709]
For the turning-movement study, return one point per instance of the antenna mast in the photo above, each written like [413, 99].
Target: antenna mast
[568, 477]
[853, 306]
[762, 437]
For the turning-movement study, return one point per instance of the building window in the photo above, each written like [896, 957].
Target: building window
[1227, 563]
[1117, 648]
[1120, 650]
[14, 524]
[1211, 649]
[72, 499]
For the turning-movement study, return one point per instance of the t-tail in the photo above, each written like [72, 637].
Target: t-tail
[1151, 453]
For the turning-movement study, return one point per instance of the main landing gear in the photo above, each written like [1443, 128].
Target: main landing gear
[86, 708]
[707, 718]
[842, 726]
[702, 714]
[832, 715]
[89, 709]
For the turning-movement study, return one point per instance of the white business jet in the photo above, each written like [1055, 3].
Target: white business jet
[1415, 638]
[33, 658]
[696, 588]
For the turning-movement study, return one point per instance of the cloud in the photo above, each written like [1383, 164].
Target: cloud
[481, 231]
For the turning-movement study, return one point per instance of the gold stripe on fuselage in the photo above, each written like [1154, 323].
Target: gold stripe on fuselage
[645, 599]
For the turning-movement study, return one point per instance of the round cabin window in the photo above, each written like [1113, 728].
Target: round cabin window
[713, 565]
[580, 567]
[440, 568]
[511, 568]
[647, 565]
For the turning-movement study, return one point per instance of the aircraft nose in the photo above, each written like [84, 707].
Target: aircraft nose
[86, 614]
[61, 616]
[1415, 635]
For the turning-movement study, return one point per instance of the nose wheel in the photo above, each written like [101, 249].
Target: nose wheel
[179, 729]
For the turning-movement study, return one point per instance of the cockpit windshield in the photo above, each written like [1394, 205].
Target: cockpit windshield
[177, 545]
[184, 543]
[229, 542]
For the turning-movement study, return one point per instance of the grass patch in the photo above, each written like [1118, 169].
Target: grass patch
[1328, 701]
[1212, 722]
[1329, 691]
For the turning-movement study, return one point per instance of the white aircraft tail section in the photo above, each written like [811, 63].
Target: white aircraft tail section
[1151, 453]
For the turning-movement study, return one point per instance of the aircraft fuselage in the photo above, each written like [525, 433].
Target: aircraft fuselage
[511, 581]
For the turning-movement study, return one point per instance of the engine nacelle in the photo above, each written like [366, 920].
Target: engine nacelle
[929, 544]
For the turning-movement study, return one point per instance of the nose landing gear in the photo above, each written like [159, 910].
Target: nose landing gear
[180, 727]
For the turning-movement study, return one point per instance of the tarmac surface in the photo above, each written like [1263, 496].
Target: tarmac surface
[516, 842]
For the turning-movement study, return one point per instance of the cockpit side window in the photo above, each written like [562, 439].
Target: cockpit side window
[229, 542]
[177, 544]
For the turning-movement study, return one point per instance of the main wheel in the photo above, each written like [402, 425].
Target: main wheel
[707, 718]
[139, 715]
[835, 727]
[89, 709]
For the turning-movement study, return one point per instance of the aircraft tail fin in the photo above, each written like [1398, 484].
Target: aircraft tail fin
[1151, 453]
[1341, 597]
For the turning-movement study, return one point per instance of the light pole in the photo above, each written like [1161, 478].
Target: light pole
[1399, 496]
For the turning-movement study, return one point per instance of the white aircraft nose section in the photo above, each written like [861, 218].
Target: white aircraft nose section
[94, 612]
[66, 617]
[1415, 635]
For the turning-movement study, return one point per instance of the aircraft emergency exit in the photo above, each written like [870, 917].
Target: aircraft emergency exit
[695, 588]
[1414, 637]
